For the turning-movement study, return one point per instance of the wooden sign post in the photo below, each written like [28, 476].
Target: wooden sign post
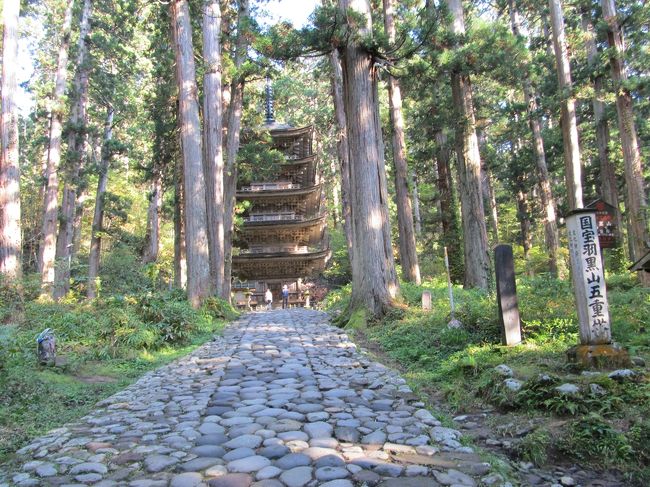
[590, 292]
[507, 295]
[426, 300]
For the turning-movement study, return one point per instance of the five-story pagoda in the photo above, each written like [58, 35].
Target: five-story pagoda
[282, 240]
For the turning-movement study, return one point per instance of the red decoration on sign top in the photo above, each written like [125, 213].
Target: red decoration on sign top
[605, 217]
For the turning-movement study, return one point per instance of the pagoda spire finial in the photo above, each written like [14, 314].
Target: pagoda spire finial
[270, 115]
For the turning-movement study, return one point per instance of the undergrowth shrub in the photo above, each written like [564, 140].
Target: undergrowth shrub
[594, 441]
[122, 272]
[534, 447]
[119, 326]
[173, 318]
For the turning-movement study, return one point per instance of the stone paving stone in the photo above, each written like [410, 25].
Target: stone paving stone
[282, 399]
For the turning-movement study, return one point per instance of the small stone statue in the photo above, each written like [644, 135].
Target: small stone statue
[46, 347]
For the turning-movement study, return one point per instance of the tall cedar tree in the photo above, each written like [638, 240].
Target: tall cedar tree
[608, 184]
[10, 232]
[572, 165]
[636, 200]
[374, 283]
[233, 124]
[477, 259]
[52, 157]
[407, 250]
[75, 157]
[199, 286]
[551, 235]
[212, 139]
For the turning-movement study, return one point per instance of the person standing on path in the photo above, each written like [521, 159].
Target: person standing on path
[285, 297]
[268, 297]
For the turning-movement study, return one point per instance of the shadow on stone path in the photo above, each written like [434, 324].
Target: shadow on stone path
[282, 399]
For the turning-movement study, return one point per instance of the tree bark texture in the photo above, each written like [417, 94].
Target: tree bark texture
[213, 149]
[342, 148]
[489, 199]
[608, 184]
[153, 218]
[451, 236]
[406, 230]
[233, 124]
[476, 254]
[523, 215]
[417, 217]
[551, 234]
[487, 188]
[76, 148]
[636, 199]
[52, 158]
[10, 231]
[374, 283]
[77, 222]
[573, 167]
[196, 235]
[180, 259]
[335, 189]
[98, 216]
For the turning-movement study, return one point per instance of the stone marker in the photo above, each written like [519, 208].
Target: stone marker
[46, 347]
[507, 295]
[426, 300]
[596, 347]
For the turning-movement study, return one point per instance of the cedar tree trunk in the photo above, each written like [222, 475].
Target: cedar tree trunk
[212, 138]
[374, 283]
[407, 248]
[477, 259]
[52, 158]
[98, 217]
[573, 168]
[10, 232]
[196, 235]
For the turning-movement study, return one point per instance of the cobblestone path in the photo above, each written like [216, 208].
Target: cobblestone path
[282, 399]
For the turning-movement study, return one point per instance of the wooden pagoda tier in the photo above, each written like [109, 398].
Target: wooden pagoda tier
[283, 235]
[289, 266]
[308, 232]
[299, 171]
[295, 143]
[282, 197]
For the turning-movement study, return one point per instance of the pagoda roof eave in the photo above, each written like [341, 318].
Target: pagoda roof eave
[273, 193]
[292, 131]
[283, 256]
[286, 224]
[298, 162]
[279, 266]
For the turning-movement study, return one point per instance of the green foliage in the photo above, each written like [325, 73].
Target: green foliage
[534, 447]
[594, 441]
[257, 161]
[337, 300]
[122, 271]
[219, 308]
[339, 271]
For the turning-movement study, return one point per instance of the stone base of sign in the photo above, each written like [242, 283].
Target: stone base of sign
[599, 356]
